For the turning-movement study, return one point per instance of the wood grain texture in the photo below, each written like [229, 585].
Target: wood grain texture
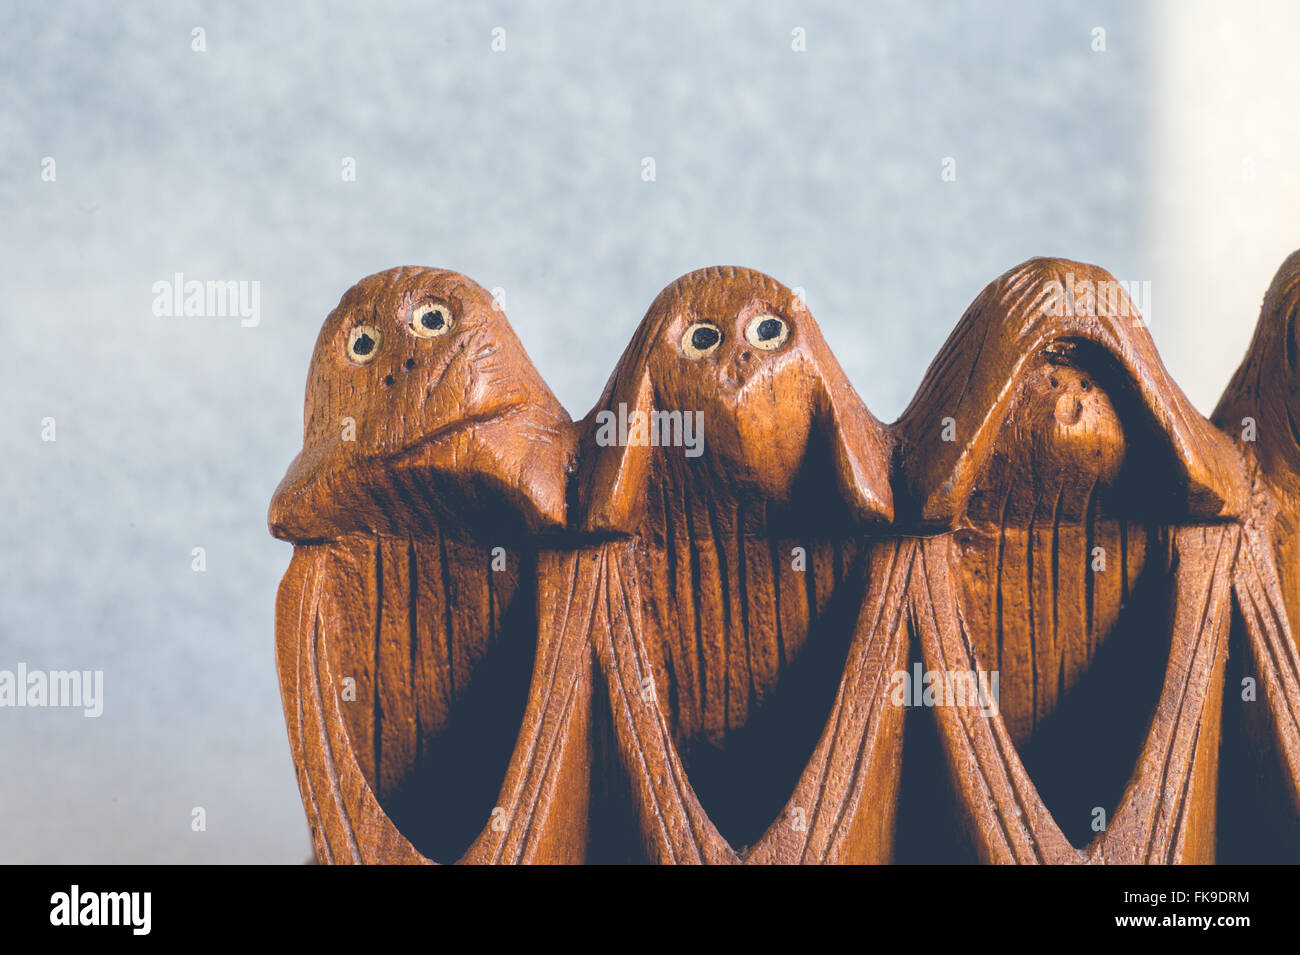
[1066, 465]
[411, 621]
[1260, 410]
[1166, 812]
[746, 678]
[689, 629]
[1018, 320]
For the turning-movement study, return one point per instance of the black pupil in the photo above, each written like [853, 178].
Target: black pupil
[768, 329]
[432, 320]
[364, 344]
[705, 338]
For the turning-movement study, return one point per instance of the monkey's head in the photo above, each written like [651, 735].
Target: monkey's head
[742, 351]
[420, 400]
[1053, 373]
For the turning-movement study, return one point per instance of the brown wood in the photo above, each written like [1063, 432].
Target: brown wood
[410, 620]
[504, 637]
[1066, 435]
[747, 687]
[1260, 410]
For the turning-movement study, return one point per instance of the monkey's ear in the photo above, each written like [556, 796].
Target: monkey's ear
[860, 445]
[613, 477]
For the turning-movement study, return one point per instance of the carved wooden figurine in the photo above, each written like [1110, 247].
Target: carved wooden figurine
[433, 455]
[1084, 558]
[1261, 410]
[751, 632]
[676, 631]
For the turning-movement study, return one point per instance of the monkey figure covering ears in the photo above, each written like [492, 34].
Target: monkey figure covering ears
[752, 627]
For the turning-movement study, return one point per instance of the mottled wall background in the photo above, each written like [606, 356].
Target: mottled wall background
[522, 168]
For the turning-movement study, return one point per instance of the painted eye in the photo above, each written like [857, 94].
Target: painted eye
[767, 332]
[701, 340]
[431, 320]
[363, 344]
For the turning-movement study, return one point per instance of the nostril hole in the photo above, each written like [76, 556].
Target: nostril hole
[388, 380]
[1052, 381]
[410, 363]
[745, 356]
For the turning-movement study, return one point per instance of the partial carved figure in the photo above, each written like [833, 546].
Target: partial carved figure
[751, 630]
[1260, 409]
[406, 624]
[1075, 504]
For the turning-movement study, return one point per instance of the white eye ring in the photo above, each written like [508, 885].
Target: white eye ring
[767, 332]
[696, 343]
[364, 342]
[431, 319]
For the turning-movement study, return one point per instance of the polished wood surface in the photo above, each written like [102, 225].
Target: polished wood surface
[1260, 411]
[717, 619]
[415, 612]
[747, 671]
[1084, 562]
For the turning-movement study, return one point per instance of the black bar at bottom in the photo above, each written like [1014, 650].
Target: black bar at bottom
[635, 906]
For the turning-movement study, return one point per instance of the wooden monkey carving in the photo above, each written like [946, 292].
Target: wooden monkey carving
[406, 624]
[1261, 410]
[733, 557]
[1083, 558]
[750, 633]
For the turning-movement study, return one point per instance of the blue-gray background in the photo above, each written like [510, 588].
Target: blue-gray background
[520, 168]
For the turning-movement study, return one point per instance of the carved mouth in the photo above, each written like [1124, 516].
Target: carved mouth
[409, 455]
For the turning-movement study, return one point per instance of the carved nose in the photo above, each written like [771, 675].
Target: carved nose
[1068, 409]
[735, 371]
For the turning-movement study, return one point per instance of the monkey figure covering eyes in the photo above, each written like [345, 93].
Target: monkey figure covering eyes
[751, 628]
[406, 625]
